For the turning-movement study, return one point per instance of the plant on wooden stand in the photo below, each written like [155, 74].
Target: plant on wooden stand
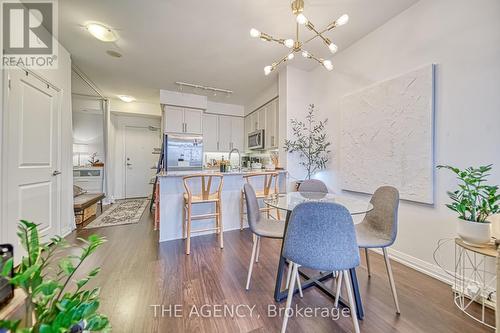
[310, 142]
[474, 201]
[50, 306]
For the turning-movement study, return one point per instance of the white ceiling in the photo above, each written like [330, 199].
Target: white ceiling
[203, 42]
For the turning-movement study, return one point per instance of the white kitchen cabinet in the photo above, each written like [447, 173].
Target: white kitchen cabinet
[271, 130]
[193, 121]
[210, 132]
[238, 133]
[261, 118]
[225, 133]
[183, 120]
[174, 119]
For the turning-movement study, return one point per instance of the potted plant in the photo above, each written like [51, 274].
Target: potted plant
[309, 142]
[474, 201]
[55, 300]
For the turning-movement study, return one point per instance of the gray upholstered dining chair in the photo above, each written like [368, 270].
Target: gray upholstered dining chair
[321, 236]
[379, 229]
[261, 227]
[313, 185]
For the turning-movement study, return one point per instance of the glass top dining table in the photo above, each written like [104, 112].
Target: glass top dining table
[288, 202]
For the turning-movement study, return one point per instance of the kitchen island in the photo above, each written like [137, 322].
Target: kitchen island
[171, 201]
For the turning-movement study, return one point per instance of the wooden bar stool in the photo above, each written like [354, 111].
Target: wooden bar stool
[206, 195]
[269, 180]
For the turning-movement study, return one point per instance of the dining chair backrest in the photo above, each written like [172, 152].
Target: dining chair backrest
[253, 209]
[268, 181]
[321, 236]
[384, 215]
[313, 185]
[203, 185]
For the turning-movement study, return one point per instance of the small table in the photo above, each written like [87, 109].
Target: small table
[288, 202]
[471, 269]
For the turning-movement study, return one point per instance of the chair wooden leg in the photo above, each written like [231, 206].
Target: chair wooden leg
[252, 259]
[258, 249]
[184, 220]
[352, 304]
[368, 263]
[391, 279]
[289, 298]
[188, 230]
[221, 228]
[339, 290]
[242, 207]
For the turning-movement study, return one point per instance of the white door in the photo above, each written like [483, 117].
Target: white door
[237, 133]
[33, 154]
[174, 119]
[225, 133]
[139, 160]
[193, 121]
[210, 132]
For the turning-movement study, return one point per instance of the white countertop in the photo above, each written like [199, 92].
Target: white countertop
[213, 171]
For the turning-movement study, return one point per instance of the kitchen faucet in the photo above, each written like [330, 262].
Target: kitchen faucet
[239, 157]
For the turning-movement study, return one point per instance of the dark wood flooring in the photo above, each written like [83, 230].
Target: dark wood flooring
[138, 273]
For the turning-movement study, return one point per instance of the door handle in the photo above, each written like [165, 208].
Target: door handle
[56, 172]
[185, 127]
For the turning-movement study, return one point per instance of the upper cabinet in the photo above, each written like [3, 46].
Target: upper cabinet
[222, 133]
[183, 120]
[265, 118]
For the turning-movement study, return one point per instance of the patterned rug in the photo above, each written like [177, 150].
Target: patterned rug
[122, 212]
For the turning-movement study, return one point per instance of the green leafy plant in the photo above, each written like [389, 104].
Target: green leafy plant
[310, 142]
[474, 200]
[47, 276]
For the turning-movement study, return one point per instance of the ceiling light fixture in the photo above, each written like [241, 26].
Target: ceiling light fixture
[126, 98]
[101, 32]
[205, 88]
[297, 45]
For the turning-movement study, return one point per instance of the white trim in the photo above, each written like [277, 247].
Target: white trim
[419, 265]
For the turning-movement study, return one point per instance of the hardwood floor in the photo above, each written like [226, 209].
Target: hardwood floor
[138, 273]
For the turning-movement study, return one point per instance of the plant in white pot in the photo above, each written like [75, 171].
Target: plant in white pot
[474, 201]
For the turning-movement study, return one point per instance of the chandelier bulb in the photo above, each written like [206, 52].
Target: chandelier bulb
[328, 64]
[302, 19]
[268, 70]
[291, 56]
[342, 20]
[289, 43]
[305, 54]
[254, 32]
[333, 48]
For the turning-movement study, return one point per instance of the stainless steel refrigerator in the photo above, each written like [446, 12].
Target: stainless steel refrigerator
[183, 152]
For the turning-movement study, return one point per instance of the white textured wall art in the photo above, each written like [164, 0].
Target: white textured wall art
[387, 136]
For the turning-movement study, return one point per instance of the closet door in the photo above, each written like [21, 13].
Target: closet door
[33, 151]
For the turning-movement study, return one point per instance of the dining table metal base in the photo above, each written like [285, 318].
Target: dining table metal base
[318, 281]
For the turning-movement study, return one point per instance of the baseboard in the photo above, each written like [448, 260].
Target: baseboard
[424, 267]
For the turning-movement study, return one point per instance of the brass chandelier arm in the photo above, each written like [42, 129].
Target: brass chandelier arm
[320, 33]
[312, 56]
[269, 38]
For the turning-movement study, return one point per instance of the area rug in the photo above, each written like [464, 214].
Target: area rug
[122, 212]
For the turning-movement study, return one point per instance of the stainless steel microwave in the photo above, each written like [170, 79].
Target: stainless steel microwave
[256, 140]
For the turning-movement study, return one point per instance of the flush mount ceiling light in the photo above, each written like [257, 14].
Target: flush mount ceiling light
[126, 98]
[296, 45]
[101, 32]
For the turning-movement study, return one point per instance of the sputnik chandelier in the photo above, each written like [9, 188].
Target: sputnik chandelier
[296, 45]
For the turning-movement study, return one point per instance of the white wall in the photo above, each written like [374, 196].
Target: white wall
[463, 38]
[268, 93]
[225, 109]
[136, 108]
[117, 140]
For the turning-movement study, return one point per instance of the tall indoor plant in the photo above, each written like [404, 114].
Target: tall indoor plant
[310, 142]
[474, 201]
[55, 300]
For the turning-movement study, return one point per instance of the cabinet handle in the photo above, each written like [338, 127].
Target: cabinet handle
[272, 140]
[217, 145]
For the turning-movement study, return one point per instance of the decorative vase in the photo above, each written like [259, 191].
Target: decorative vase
[476, 234]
